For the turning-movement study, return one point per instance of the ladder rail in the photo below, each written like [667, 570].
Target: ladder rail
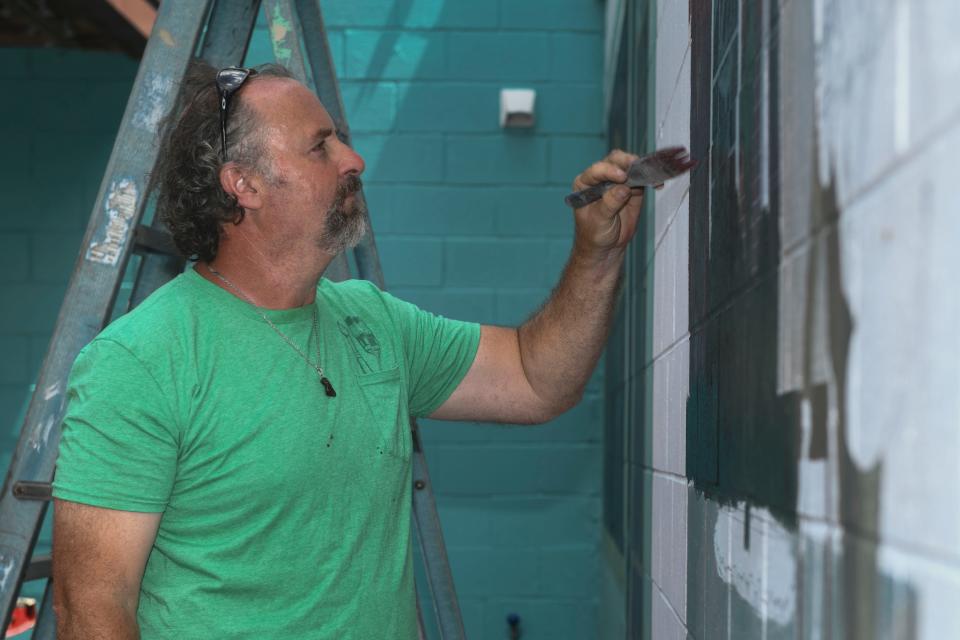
[93, 289]
[429, 532]
[281, 18]
[323, 80]
[225, 43]
[95, 281]
[328, 90]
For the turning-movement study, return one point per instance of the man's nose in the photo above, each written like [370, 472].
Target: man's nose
[350, 161]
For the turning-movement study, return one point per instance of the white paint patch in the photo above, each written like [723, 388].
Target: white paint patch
[765, 573]
[901, 87]
[41, 434]
[52, 391]
[121, 206]
[6, 566]
[150, 103]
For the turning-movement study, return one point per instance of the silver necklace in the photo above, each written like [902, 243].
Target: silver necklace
[327, 387]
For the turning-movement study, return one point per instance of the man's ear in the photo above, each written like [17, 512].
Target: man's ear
[241, 184]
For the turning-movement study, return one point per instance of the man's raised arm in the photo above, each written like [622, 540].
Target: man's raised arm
[98, 560]
[534, 373]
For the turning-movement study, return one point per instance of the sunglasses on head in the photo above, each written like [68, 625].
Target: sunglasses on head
[229, 81]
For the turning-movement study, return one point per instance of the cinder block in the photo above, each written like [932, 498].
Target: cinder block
[717, 588]
[697, 549]
[664, 622]
[53, 256]
[573, 15]
[400, 158]
[472, 305]
[931, 97]
[675, 574]
[412, 261]
[673, 128]
[553, 618]
[260, 50]
[498, 56]
[13, 400]
[570, 156]
[14, 261]
[506, 264]
[681, 314]
[57, 64]
[496, 159]
[679, 385]
[16, 112]
[448, 107]
[37, 307]
[519, 522]
[916, 593]
[481, 572]
[576, 57]
[514, 470]
[419, 14]
[899, 436]
[78, 170]
[514, 307]
[13, 365]
[16, 63]
[532, 211]
[569, 571]
[660, 413]
[94, 107]
[472, 609]
[575, 109]
[431, 210]
[673, 49]
[370, 106]
[395, 55]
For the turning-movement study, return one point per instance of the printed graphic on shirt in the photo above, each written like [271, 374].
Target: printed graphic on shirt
[362, 342]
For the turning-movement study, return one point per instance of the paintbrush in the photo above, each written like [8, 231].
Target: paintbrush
[649, 171]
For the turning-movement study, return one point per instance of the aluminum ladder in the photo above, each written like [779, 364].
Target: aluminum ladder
[219, 31]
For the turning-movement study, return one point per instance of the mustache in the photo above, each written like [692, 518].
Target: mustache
[350, 185]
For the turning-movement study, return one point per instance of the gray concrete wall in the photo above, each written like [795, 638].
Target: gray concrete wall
[796, 449]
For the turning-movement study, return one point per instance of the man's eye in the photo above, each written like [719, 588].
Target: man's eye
[320, 146]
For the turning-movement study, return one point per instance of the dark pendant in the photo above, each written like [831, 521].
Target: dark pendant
[331, 392]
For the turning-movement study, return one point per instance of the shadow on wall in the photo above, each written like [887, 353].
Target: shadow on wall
[766, 420]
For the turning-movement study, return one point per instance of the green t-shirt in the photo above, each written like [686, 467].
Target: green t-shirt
[286, 513]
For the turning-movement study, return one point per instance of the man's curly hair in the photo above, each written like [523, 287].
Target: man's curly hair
[190, 200]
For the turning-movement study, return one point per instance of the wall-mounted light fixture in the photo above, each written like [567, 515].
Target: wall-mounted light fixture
[516, 107]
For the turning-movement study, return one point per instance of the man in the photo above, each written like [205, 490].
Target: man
[236, 456]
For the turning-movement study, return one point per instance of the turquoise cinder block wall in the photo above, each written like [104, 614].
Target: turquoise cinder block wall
[469, 220]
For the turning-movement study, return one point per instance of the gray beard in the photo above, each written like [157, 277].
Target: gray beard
[345, 226]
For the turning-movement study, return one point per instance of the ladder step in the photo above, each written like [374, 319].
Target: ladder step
[27, 490]
[40, 567]
[146, 239]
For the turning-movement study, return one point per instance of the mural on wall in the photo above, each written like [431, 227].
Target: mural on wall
[816, 487]
[767, 437]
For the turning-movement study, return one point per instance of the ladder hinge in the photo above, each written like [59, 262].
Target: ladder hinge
[149, 240]
[26, 490]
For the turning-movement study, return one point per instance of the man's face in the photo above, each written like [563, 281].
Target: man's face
[312, 196]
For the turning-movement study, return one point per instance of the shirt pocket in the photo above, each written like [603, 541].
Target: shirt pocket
[384, 399]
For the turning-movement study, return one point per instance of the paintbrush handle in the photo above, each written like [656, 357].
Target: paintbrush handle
[582, 198]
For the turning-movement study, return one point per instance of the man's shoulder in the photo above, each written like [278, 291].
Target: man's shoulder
[352, 292]
[155, 320]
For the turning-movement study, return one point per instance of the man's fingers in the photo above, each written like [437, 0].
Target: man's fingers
[620, 158]
[614, 200]
[613, 168]
[598, 172]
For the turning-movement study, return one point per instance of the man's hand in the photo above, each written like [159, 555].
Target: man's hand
[611, 222]
[533, 373]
